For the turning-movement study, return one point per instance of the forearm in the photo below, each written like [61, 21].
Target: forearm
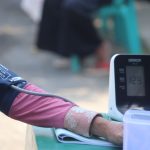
[99, 123]
[89, 123]
[110, 130]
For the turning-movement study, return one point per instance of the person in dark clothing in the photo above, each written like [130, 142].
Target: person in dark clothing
[67, 28]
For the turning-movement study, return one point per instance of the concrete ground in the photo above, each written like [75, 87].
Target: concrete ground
[88, 88]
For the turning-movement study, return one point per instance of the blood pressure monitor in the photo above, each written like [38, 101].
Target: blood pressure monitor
[129, 84]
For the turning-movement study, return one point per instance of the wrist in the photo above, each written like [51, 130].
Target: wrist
[99, 127]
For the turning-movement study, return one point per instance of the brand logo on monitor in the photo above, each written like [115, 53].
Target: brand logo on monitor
[134, 60]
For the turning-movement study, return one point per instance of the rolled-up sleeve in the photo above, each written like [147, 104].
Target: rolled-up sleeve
[39, 110]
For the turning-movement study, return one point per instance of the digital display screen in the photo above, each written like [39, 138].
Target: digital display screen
[135, 81]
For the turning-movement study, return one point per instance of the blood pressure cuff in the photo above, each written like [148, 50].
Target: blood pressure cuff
[7, 93]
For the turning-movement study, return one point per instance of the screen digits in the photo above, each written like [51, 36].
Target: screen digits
[135, 81]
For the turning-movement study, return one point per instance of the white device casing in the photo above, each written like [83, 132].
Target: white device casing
[113, 111]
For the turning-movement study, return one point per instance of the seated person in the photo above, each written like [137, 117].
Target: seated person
[67, 28]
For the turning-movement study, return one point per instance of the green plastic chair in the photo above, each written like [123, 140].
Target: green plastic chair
[123, 15]
[126, 33]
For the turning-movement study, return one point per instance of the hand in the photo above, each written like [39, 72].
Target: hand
[110, 130]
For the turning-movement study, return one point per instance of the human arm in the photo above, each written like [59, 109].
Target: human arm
[55, 112]
[51, 111]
